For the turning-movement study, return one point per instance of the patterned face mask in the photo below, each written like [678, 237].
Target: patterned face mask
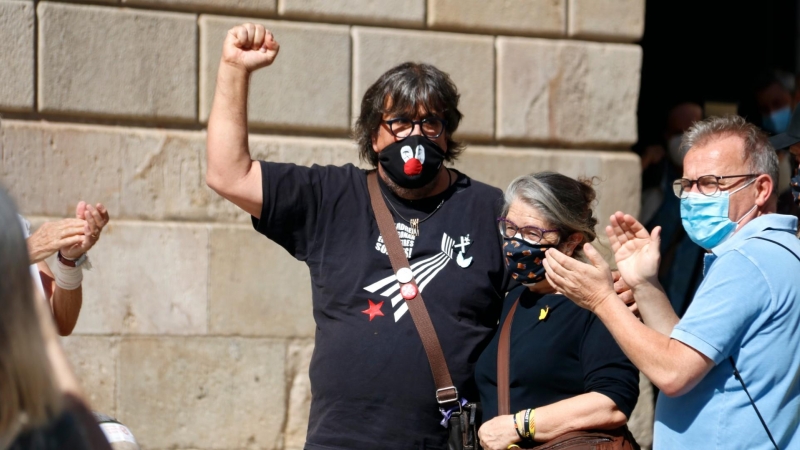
[524, 260]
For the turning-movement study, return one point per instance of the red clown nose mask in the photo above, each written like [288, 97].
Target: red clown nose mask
[412, 167]
[412, 162]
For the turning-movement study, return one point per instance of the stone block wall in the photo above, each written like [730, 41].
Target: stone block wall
[196, 331]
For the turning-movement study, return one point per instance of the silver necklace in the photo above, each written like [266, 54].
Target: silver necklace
[414, 223]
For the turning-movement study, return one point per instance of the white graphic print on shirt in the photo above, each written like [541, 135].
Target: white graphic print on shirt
[424, 272]
[462, 261]
[407, 238]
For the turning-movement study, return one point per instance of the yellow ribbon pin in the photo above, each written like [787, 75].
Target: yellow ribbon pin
[543, 313]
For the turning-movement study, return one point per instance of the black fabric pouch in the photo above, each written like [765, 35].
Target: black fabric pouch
[463, 428]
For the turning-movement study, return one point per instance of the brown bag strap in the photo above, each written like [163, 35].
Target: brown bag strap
[503, 363]
[446, 392]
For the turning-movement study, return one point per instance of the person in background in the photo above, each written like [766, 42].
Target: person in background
[790, 140]
[566, 372]
[796, 93]
[663, 159]
[680, 272]
[774, 100]
[770, 105]
[71, 239]
[41, 406]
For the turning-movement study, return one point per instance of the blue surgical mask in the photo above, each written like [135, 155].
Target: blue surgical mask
[705, 218]
[524, 260]
[778, 121]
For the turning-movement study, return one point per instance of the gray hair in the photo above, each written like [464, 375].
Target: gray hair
[758, 152]
[564, 202]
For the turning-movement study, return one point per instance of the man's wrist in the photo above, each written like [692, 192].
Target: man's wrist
[232, 70]
[233, 82]
[646, 287]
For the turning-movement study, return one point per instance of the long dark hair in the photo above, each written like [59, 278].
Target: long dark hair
[404, 90]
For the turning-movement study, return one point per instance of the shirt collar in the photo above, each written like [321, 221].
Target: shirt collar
[777, 222]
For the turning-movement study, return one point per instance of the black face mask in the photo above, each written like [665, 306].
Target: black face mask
[412, 162]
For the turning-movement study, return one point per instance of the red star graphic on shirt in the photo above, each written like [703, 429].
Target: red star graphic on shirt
[373, 310]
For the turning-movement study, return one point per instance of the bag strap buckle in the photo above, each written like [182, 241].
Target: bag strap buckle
[447, 395]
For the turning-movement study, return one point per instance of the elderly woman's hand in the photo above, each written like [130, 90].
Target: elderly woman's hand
[96, 218]
[498, 433]
[635, 250]
[588, 285]
[51, 236]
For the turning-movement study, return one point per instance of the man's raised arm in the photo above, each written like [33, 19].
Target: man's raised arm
[231, 171]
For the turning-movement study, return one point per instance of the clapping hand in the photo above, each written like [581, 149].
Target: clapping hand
[624, 292]
[588, 285]
[635, 250]
[94, 219]
[52, 236]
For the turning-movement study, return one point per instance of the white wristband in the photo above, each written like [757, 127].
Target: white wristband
[68, 278]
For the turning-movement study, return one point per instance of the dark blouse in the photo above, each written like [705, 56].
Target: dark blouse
[567, 353]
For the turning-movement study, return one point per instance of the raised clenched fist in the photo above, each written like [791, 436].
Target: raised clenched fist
[250, 47]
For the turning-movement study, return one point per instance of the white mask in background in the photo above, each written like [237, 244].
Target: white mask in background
[675, 151]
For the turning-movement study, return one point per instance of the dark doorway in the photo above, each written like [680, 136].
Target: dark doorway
[710, 51]
[703, 58]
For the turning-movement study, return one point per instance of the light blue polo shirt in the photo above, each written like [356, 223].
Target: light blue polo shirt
[748, 307]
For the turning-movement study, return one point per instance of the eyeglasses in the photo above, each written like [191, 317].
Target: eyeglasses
[431, 127]
[708, 185]
[530, 234]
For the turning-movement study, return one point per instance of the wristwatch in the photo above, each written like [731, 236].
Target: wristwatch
[72, 262]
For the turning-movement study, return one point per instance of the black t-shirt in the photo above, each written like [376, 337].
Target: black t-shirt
[371, 382]
[568, 353]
